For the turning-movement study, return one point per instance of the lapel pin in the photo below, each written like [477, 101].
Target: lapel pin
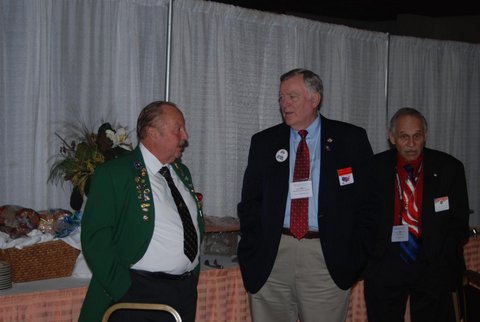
[281, 155]
[137, 165]
[329, 140]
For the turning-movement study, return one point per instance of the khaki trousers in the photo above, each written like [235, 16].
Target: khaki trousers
[299, 287]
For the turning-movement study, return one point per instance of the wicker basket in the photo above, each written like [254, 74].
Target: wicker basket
[51, 259]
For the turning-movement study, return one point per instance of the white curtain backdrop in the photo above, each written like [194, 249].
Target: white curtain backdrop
[84, 61]
[442, 79]
[70, 63]
[226, 66]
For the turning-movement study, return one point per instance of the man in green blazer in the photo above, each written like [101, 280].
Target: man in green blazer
[133, 235]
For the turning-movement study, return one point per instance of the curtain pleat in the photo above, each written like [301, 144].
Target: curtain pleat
[74, 63]
[442, 80]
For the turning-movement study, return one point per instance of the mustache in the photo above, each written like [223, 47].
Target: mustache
[184, 144]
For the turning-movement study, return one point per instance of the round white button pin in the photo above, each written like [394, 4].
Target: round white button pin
[281, 155]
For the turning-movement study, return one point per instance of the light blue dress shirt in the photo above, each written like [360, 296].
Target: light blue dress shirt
[313, 142]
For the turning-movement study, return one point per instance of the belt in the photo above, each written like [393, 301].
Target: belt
[309, 235]
[162, 275]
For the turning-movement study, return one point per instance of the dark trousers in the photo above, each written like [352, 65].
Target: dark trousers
[386, 293]
[179, 293]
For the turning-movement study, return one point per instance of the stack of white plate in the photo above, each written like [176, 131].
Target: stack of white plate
[5, 276]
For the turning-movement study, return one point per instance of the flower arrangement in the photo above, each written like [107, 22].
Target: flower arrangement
[78, 159]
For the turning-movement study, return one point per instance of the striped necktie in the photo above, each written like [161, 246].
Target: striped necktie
[190, 242]
[410, 216]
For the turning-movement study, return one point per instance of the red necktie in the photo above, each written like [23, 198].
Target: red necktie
[299, 207]
[410, 216]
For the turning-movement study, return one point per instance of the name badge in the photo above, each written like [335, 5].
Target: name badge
[441, 204]
[399, 233]
[345, 176]
[301, 189]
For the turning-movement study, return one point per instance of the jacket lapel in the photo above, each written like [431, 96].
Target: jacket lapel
[327, 165]
[429, 188]
[142, 185]
[185, 177]
[281, 169]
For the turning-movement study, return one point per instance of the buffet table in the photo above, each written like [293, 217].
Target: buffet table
[221, 296]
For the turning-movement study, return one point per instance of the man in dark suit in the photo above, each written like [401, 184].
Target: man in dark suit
[143, 223]
[305, 235]
[424, 224]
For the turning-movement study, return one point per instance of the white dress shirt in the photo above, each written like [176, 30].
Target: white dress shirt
[165, 252]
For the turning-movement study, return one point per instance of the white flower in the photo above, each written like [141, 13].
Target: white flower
[119, 138]
[111, 135]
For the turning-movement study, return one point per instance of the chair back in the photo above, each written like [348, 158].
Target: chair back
[141, 306]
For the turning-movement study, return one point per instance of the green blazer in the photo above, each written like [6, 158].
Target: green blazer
[117, 226]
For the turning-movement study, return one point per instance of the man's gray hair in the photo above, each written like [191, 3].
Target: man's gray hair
[313, 82]
[407, 111]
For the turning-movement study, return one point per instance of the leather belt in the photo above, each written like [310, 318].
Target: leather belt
[309, 235]
[162, 275]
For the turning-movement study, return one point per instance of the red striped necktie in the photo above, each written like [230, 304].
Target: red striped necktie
[410, 216]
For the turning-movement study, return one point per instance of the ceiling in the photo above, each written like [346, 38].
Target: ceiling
[367, 10]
